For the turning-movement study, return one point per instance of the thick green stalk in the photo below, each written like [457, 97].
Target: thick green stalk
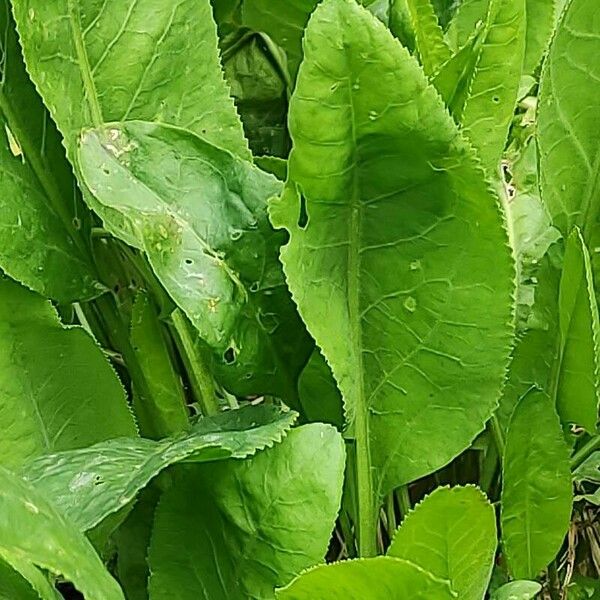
[200, 377]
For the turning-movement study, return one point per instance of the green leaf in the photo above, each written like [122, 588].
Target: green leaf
[132, 540]
[517, 590]
[536, 493]
[164, 411]
[89, 484]
[493, 90]
[431, 46]
[451, 534]
[465, 20]
[386, 178]
[265, 519]
[319, 395]
[25, 519]
[578, 384]
[58, 390]
[453, 79]
[40, 244]
[283, 22]
[259, 89]
[370, 579]
[568, 128]
[13, 586]
[540, 26]
[200, 214]
[153, 61]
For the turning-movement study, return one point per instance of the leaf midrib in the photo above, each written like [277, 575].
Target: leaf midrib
[91, 95]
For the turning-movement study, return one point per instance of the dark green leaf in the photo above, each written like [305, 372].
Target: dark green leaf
[162, 411]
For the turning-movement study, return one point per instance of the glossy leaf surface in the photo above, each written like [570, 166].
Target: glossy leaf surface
[89, 484]
[451, 534]
[200, 214]
[370, 579]
[387, 178]
[122, 60]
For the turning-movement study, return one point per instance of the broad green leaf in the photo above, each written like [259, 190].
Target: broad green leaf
[265, 519]
[536, 489]
[319, 394]
[540, 25]
[120, 60]
[40, 244]
[13, 586]
[451, 534]
[568, 127]
[493, 90]
[58, 390]
[578, 385]
[34, 534]
[161, 411]
[89, 484]
[370, 579]
[431, 46]
[517, 590]
[200, 214]
[386, 178]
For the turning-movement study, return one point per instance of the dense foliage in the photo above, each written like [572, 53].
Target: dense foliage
[297, 299]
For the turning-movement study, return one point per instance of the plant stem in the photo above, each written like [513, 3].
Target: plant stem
[368, 517]
[391, 515]
[498, 436]
[585, 451]
[203, 385]
[404, 502]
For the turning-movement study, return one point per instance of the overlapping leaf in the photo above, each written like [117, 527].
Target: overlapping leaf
[200, 214]
[58, 390]
[121, 60]
[568, 127]
[89, 484]
[536, 490]
[379, 175]
[370, 579]
[34, 534]
[265, 519]
[451, 534]
[40, 239]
